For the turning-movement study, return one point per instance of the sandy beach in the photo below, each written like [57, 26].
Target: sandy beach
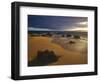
[69, 53]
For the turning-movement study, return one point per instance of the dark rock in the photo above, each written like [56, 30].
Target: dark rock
[77, 37]
[69, 35]
[71, 42]
[44, 58]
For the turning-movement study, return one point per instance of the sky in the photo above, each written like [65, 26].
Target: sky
[57, 23]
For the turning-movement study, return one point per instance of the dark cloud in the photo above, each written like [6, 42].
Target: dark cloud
[55, 22]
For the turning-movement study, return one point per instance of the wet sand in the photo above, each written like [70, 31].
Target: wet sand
[69, 54]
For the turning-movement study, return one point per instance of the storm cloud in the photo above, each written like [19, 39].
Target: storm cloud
[50, 23]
